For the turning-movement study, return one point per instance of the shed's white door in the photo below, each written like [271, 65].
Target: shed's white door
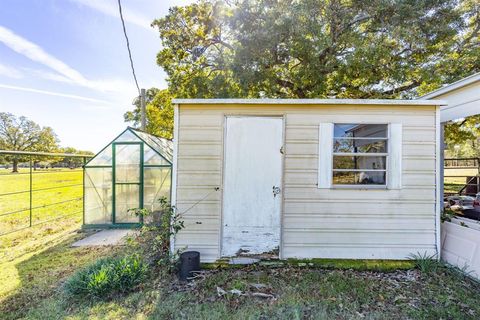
[252, 180]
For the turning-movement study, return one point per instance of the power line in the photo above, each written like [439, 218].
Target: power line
[128, 47]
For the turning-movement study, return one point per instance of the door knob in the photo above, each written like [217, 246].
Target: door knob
[276, 190]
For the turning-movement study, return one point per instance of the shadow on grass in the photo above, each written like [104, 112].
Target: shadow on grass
[41, 275]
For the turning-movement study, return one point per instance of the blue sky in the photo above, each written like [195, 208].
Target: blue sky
[64, 63]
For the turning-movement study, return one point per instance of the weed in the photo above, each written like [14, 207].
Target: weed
[156, 233]
[425, 263]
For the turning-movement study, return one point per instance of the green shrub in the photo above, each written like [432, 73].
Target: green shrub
[107, 277]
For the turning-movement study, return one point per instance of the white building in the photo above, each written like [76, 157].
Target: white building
[307, 178]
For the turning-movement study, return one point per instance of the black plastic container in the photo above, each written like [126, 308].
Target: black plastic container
[189, 262]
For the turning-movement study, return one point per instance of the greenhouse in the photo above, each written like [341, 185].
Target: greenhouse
[133, 171]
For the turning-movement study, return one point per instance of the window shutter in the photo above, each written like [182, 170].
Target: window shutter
[395, 157]
[325, 155]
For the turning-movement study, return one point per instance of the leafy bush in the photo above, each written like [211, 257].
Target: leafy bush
[107, 277]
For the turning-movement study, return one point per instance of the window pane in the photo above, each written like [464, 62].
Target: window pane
[360, 145]
[156, 186]
[360, 130]
[359, 162]
[104, 158]
[151, 157]
[126, 197]
[127, 163]
[98, 195]
[364, 177]
[127, 136]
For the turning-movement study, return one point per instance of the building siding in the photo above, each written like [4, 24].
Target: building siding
[324, 223]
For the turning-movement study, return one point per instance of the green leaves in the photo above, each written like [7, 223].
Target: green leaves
[107, 277]
[462, 137]
[159, 113]
[315, 48]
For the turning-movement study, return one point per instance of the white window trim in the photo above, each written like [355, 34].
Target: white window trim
[383, 154]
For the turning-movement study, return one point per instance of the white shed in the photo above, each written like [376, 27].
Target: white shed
[307, 178]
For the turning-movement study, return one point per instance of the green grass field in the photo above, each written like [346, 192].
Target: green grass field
[16, 248]
[63, 197]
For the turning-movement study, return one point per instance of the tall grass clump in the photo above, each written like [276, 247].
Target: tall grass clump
[425, 263]
[107, 277]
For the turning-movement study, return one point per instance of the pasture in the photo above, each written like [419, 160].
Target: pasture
[55, 193]
[56, 214]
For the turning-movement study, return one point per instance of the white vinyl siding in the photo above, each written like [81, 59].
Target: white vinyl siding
[316, 222]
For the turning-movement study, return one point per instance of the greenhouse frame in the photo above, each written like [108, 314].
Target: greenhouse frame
[133, 171]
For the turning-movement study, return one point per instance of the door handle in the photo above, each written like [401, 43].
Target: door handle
[276, 190]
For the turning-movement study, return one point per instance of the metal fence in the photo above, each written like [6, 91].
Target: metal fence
[46, 188]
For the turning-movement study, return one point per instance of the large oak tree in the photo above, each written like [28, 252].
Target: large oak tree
[312, 49]
[318, 48]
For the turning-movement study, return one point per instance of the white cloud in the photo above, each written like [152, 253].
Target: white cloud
[52, 93]
[36, 53]
[64, 73]
[10, 72]
[110, 8]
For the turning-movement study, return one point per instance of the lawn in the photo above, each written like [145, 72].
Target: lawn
[62, 197]
[26, 254]
[35, 263]
[323, 289]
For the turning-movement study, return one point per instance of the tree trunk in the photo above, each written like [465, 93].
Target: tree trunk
[15, 165]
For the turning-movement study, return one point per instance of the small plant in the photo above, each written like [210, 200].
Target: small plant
[157, 232]
[447, 215]
[425, 263]
[106, 278]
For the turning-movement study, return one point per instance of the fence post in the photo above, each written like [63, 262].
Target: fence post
[83, 190]
[31, 184]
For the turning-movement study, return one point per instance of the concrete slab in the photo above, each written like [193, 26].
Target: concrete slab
[110, 237]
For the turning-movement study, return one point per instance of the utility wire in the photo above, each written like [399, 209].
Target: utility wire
[128, 47]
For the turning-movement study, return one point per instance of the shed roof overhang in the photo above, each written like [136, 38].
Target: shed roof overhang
[313, 101]
[463, 98]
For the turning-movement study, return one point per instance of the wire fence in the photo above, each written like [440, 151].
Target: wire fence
[38, 188]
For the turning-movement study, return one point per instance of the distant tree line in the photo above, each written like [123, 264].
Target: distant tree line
[22, 134]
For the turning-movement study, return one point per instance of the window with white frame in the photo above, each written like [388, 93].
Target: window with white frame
[360, 153]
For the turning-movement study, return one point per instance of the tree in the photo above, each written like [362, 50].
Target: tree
[312, 49]
[462, 137]
[73, 162]
[159, 113]
[21, 134]
[317, 48]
